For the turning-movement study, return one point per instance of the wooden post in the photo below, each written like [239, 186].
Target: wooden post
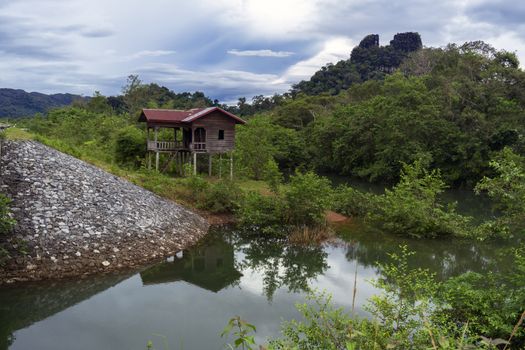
[210, 159]
[177, 162]
[231, 166]
[185, 162]
[148, 153]
[194, 163]
[220, 165]
[156, 150]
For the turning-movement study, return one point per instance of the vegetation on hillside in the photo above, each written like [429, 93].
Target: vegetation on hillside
[368, 61]
[15, 103]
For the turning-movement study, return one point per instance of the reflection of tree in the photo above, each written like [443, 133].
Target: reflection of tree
[22, 306]
[282, 264]
[444, 257]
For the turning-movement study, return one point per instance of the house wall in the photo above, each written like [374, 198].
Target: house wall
[213, 123]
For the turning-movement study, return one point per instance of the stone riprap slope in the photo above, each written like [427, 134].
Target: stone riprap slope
[77, 219]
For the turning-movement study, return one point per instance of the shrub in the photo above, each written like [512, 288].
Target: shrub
[221, 197]
[130, 146]
[263, 213]
[307, 199]
[507, 190]
[197, 186]
[351, 202]
[490, 303]
[303, 204]
[412, 207]
[272, 175]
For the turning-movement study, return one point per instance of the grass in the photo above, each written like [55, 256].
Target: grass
[254, 185]
[15, 133]
[306, 235]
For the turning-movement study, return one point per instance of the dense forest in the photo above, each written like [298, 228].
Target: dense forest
[454, 107]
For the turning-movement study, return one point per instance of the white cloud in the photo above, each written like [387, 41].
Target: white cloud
[81, 45]
[276, 19]
[333, 50]
[229, 84]
[260, 53]
[152, 53]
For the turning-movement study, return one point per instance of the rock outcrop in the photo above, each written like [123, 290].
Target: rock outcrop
[74, 218]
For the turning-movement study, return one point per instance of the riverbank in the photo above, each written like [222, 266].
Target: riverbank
[74, 219]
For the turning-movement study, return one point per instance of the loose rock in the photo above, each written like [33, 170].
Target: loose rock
[64, 204]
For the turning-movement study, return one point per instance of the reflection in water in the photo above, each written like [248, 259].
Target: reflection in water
[282, 265]
[445, 257]
[29, 303]
[223, 276]
[210, 265]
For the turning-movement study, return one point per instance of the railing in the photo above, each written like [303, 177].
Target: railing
[165, 145]
[175, 145]
[199, 146]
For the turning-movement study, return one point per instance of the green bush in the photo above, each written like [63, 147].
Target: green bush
[217, 197]
[307, 198]
[412, 207]
[197, 186]
[351, 202]
[303, 203]
[263, 213]
[221, 197]
[130, 146]
[507, 190]
[272, 175]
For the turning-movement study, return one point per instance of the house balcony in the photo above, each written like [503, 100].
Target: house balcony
[173, 146]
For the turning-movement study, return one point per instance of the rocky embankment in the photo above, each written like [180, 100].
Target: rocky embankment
[76, 219]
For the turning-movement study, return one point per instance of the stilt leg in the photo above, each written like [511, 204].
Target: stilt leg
[157, 154]
[210, 158]
[195, 163]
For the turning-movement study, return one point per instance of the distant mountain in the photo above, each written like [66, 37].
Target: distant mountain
[15, 103]
[368, 61]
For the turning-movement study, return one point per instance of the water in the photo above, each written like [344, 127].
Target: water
[189, 299]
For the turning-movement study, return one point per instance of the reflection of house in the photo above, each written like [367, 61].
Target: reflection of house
[210, 267]
[199, 130]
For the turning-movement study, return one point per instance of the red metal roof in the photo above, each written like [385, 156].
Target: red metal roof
[180, 116]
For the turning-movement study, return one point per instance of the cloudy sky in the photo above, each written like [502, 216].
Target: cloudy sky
[226, 48]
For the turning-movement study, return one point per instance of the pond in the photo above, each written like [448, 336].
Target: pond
[188, 299]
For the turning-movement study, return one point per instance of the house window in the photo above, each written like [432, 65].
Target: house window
[221, 134]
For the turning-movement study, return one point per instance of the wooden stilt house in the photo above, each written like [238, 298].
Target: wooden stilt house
[196, 131]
